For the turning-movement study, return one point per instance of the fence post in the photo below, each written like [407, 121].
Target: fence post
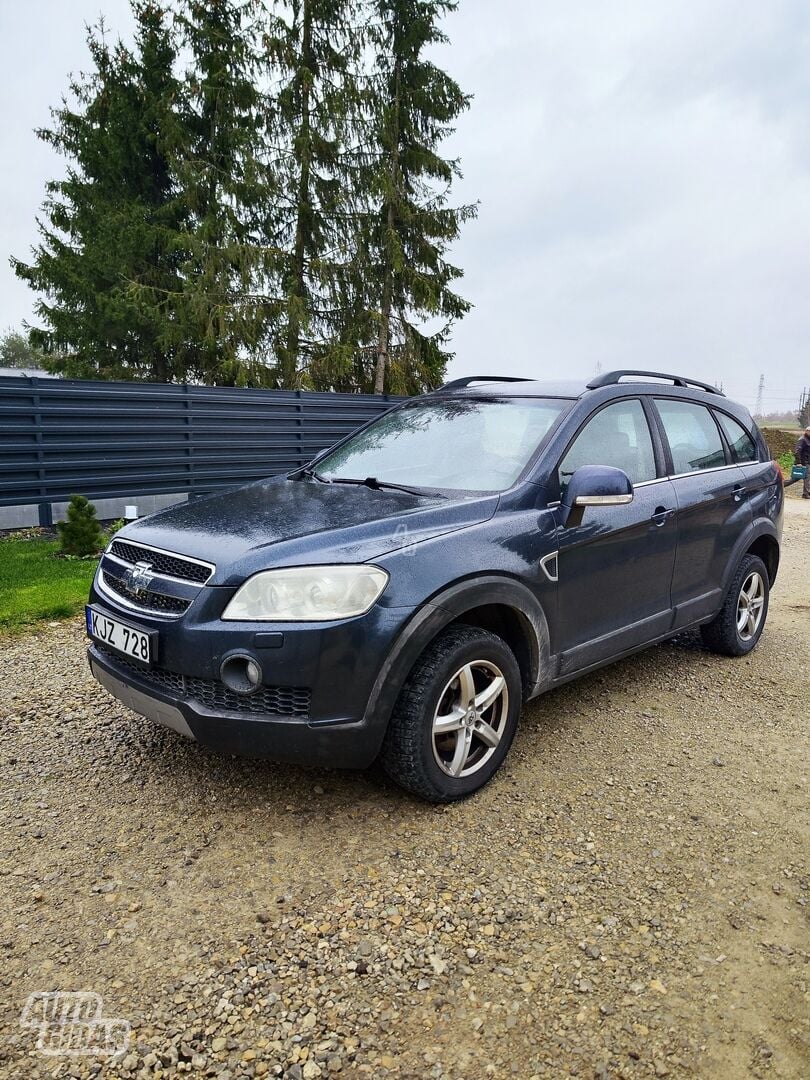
[187, 402]
[300, 418]
[44, 509]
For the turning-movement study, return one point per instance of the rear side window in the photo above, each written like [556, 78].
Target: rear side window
[618, 435]
[741, 443]
[694, 439]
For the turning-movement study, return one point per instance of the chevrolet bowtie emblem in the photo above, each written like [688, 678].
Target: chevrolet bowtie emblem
[138, 578]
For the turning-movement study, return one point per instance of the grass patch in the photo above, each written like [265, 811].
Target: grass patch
[35, 586]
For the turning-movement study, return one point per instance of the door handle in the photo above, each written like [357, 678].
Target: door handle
[661, 515]
[738, 492]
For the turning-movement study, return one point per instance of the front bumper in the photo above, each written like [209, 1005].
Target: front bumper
[325, 692]
[336, 744]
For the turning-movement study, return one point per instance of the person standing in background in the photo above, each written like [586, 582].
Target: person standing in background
[803, 458]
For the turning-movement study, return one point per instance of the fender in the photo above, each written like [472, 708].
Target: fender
[760, 527]
[442, 609]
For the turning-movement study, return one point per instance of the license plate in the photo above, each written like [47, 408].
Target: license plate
[139, 645]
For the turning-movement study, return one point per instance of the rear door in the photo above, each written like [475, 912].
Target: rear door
[615, 566]
[712, 495]
[764, 488]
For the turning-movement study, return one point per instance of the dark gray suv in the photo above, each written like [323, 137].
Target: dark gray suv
[403, 594]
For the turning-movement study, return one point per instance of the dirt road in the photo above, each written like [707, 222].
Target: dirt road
[628, 898]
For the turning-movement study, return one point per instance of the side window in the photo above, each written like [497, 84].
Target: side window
[618, 435]
[693, 437]
[741, 443]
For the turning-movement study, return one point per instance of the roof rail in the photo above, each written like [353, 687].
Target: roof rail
[612, 377]
[458, 384]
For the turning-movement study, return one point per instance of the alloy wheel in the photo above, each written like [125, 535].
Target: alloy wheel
[470, 718]
[750, 606]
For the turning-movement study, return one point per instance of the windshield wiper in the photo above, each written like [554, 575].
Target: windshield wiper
[376, 485]
[310, 474]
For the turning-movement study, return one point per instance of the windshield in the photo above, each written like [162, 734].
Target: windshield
[456, 443]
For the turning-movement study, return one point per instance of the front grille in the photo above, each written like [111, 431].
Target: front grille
[272, 700]
[146, 601]
[168, 680]
[281, 700]
[162, 562]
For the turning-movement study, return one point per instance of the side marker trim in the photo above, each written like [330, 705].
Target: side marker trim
[550, 565]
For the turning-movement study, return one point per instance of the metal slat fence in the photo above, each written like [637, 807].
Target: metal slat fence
[122, 439]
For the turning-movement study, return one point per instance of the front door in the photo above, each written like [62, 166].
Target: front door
[615, 565]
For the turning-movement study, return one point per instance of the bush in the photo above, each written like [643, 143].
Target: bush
[113, 528]
[81, 534]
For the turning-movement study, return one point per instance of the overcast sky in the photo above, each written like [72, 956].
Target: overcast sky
[642, 168]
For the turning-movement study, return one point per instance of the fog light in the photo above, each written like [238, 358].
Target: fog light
[241, 673]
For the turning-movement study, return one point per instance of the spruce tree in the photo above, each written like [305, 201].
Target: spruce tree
[81, 534]
[221, 169]
[110, 227]
[277, 215]
[403, 238]
[313, 48]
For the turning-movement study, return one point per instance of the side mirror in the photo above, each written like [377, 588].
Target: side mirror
[594, 485]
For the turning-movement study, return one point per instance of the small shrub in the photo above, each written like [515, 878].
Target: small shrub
[113, 528]
[786, 462]
[81, 534]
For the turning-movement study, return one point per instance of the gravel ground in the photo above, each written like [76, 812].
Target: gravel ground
[628, 898]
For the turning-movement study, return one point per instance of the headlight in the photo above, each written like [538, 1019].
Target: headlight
[308, 593]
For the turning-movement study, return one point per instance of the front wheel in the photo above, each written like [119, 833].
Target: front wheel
[739, 625]
[456, 716]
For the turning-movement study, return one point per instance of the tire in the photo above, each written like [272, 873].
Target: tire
[725, 634]
[449, 681]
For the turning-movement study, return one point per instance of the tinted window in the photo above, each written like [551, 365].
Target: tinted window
[693, 436]
[454, 442]
[742, 445]
[619, 436]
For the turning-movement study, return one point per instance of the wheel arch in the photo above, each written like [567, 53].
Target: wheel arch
[767, 548]
[512, 626]
[761, 539]
[496, 603]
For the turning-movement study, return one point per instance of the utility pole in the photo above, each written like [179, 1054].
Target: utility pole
[758, 407]
[804, 407]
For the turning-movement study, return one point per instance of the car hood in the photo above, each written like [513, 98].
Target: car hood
[280, 522]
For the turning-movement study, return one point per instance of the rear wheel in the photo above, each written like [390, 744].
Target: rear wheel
[739, 625]
[455, 717]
